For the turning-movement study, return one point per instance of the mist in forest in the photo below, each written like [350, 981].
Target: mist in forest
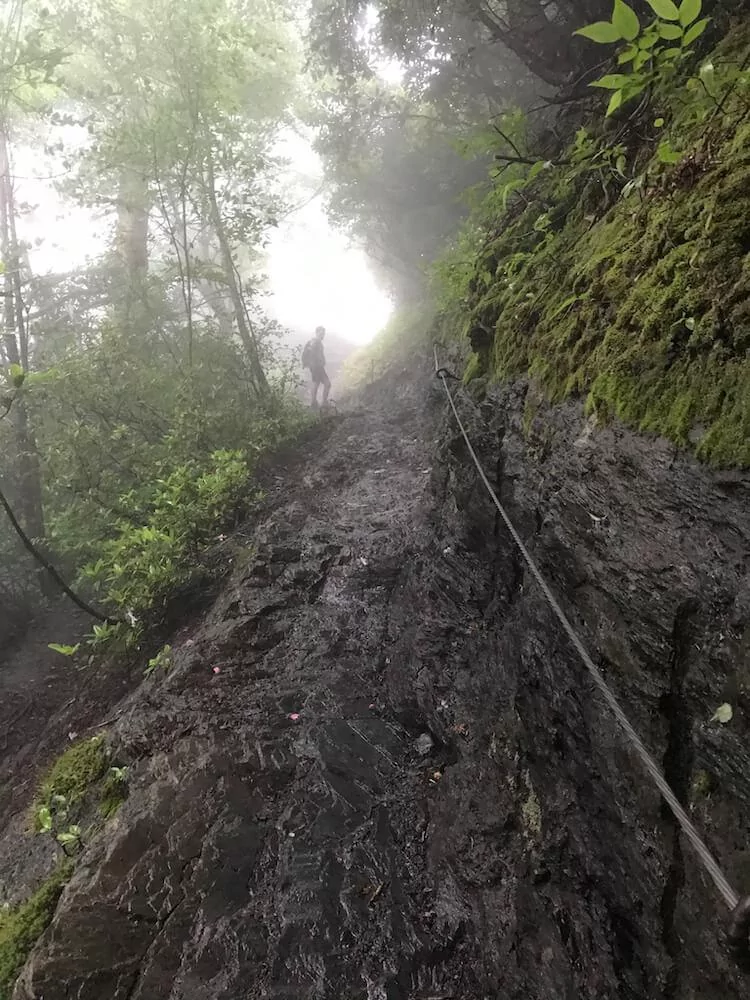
[187, 193]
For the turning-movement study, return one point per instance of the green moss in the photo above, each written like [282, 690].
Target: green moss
[21, 927]
[73, 774]
[702, 786]
[474, 368]
[643, 311]
[83, 772]
[114, 793]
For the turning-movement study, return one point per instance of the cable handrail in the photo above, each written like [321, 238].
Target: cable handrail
[737, 934]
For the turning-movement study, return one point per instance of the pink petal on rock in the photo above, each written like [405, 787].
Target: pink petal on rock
[217, 670]
[294, 716]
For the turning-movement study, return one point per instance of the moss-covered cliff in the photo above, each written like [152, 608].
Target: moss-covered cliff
[624, 278]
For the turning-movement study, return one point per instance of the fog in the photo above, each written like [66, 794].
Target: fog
[312, 273]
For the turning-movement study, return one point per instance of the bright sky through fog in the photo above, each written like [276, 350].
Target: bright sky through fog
[315, 276]
[62, 234]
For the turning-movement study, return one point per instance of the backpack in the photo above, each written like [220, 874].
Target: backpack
[307, 354]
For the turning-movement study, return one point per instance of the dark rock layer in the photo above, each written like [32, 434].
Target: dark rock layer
[454, 815]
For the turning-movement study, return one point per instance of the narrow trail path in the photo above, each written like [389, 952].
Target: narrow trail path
[258, 854]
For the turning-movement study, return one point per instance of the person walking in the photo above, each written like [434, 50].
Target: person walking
[314, 358]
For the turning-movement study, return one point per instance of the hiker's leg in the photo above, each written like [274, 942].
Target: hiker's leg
[326, 388]
[315, 387]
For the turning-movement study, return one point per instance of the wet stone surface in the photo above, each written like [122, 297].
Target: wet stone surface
[400, 785]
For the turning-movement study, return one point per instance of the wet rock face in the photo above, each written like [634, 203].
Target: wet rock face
[378, 771]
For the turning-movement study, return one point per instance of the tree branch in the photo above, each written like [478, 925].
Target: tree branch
[528, 160]
[45, 564]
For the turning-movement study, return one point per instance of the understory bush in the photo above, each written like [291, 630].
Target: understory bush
[159, 548]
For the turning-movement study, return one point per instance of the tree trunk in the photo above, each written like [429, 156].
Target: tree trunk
[244, 328]
[546, 47]
[131, 242]
[213, 294]
[28, 471]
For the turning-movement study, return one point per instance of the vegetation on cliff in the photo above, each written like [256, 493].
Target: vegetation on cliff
[21, 926]
[607, 255]
[619, 271]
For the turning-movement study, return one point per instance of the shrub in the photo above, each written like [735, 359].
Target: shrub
[143, 564]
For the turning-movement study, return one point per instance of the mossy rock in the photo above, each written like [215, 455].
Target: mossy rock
[114, 792]
[640, 307]
[21, 927]
[83, 777]
[74, 773]
[703, 784]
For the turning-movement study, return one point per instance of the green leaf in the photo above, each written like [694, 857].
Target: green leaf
[565, 304]
[689, 10]
[538, 167]
[44, 819]
[39, 378]
[665, 9]
[695, 31]
[17, 375]
[65, 650]
[670, 31]
[508, 190]
[600, 31]
[668, 55]
[690, 323]
[625, 19]
[635, 185]
[723, 714]
[614, 102]
[658, 123]
[614, 82]
[627, 55]
[666, 154]
[649, 39]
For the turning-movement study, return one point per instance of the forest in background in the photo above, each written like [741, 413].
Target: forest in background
[605, 253]
[142, 387]
[464, 148]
